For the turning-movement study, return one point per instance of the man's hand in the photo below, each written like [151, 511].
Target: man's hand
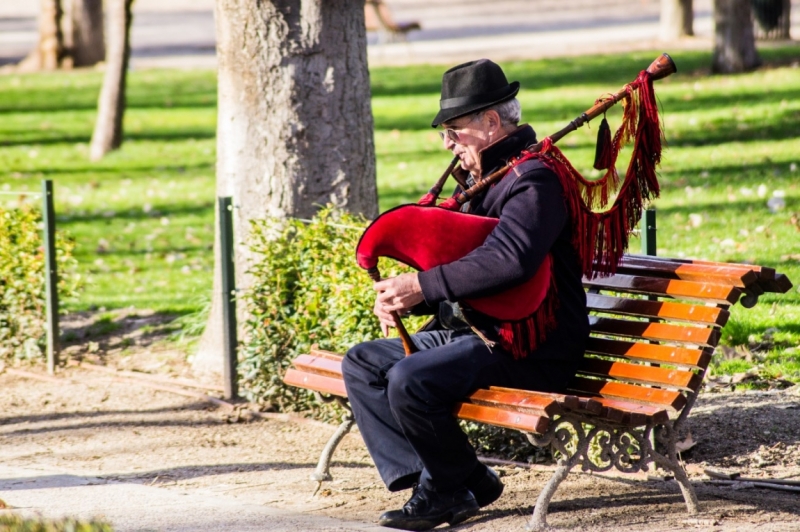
[397, 294]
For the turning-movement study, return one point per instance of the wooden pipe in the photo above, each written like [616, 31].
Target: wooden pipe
[408, 344]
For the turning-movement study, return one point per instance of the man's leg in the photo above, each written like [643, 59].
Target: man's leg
[364, 369]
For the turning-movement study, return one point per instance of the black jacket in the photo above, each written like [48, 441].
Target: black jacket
[533, 221]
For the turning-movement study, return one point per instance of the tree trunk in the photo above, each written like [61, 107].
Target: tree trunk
[107, 134]
[734, 40]
[49, 50]
[294, 124]
[83, 32]
[677, 19]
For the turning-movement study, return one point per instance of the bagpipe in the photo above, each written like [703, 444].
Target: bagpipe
[425, 235]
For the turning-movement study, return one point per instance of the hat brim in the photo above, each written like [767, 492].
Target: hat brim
[451, 113]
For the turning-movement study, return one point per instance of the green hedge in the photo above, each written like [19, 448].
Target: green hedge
[307, 290]
[15, 523]
[22, 281]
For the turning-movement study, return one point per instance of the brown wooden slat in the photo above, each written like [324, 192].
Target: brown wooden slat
[567, 402]
[502, 418]
[762, 271]
[312, 381]
[629, 393]
[639, 414]
[315, 351]
[706, 292]
[517, 400]
[319, 365]
[640, 374]
[656, 353]
[699, 314]
[666, 332]
[730, 274]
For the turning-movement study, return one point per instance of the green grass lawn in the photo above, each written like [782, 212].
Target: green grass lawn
[143, 216]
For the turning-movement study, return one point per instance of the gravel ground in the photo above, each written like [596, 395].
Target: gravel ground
[92, 424]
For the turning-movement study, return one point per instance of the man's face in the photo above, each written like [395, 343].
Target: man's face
[472, 134]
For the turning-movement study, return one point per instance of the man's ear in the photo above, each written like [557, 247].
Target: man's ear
[493, 120]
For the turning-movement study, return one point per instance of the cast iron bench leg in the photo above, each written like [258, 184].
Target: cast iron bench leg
[322, 472]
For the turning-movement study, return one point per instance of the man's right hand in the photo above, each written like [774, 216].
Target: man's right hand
[385, 316]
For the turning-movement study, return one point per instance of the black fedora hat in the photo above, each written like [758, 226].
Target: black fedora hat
[471, 87]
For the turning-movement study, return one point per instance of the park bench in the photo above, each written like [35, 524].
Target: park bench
[378, 18]
[655, 324]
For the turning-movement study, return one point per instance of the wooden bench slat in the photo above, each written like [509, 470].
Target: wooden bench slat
[319, 365]
[503, 418]
[658, 309]
[629, 392]
[567, 402]
[666, 332]
[312, 381]
[640, 374]
[517, 400]
[707, 292]
[762, 271]
[737, 275]
[325, 354]
[655, 353]
[638, 414]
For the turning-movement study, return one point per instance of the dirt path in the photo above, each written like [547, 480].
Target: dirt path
[93, 425]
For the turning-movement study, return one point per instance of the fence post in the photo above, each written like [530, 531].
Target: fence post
[51, 274]
[649, 232]
[230, 340]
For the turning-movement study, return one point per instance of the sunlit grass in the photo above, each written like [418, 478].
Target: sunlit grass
[143, 217]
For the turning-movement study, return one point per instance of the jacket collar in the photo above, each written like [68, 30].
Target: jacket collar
[500, 151]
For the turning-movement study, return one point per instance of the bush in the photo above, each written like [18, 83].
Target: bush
[14, 523]
[22, 282]
[307, 290]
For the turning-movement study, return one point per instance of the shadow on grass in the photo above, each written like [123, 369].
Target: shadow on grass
[170, 135]
[200, 209]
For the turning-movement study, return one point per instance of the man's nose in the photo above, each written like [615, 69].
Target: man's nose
[448, 143]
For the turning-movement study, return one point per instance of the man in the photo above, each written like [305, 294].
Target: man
[403, 405]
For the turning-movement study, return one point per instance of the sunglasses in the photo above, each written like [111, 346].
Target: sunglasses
[451, 132]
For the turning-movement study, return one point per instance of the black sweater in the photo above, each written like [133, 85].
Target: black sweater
[533, 221]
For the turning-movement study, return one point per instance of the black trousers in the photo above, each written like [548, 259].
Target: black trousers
[404, 405]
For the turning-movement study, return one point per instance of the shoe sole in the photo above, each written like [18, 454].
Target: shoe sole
[463, 515]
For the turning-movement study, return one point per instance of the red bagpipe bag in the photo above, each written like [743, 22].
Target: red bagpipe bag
[424, 237]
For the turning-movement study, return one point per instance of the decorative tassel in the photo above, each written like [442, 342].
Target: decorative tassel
[603, 153]
[525, 336]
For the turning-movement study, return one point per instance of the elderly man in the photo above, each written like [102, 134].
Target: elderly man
[403, 405]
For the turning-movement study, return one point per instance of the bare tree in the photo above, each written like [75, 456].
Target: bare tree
[677, 19]
[84, 39]
[734, 39]
[294, 125]
[70, 34]
[49, 50]
[107, 134]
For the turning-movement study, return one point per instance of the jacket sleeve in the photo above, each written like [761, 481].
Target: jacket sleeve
[531, 218]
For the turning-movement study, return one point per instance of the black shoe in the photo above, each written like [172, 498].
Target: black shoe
[488, 489]
[428, 509]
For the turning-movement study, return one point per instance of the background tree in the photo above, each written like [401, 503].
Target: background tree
[70, 34]
[107, 133]
[734, 39]
[82, 26]
[294, 125]
[677, 19]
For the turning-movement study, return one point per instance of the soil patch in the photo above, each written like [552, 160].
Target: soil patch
[97, 424]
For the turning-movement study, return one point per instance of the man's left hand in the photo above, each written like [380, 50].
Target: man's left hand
[399, 293]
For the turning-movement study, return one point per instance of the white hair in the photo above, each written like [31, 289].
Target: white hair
[510, 111]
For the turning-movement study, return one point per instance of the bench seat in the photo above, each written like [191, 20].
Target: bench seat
[654, 328]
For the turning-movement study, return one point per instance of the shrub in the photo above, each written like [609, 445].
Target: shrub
[307, 290]
[15, 523]
[22, 282]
